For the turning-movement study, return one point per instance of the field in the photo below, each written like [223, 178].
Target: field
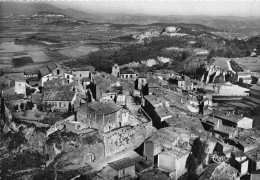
[39, 57]
[22, 61]
[250, 63]
[55, 55]
[5, 58]
[78, 52]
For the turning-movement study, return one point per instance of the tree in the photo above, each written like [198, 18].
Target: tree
[199, 150]
[69, 108]
[191, 164]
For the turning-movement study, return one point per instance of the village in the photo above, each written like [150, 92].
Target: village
[158, 125]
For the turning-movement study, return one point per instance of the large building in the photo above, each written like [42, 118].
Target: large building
[104, 116]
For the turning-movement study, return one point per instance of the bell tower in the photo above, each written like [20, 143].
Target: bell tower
[116, 71]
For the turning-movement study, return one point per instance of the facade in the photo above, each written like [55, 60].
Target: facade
[254, 159]
[20, 87]
[128, 74]
[168, 148]
[83, 72]
[125, 168]
[239, 161]
[116, 71]
[52, 71]
[233, 120]
[59, 100]
[140, 82]
[104, 116]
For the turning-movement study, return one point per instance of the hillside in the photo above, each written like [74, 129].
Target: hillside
[10, 8]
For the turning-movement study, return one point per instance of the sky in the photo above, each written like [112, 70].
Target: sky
[243, 8]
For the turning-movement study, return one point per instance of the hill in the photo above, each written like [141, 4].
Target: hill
[10, 8]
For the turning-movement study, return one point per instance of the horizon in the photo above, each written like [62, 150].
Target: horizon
[165, 8]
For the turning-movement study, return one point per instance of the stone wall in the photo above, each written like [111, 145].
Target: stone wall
[125, 138]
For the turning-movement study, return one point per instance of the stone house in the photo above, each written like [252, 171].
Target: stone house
[128, 74]
[254, 159]
[141, 81]
[116, 71]
[125, 168]
[12, 72]
[104, 116]
[155, 109]
[220, 171]
[168, 148]
[239, 161]
[59, 100]
[83, 72]
[233, 120]
[52, 71]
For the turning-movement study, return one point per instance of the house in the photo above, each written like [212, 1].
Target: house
[254, 159]
[220, 171]
[116, 71]
[59, 100]
[255, 91]
[52, 71]
[128, 74]
[255, 175]
[18, 87]
[125, 168]
[168, 148]
[83, 72]
[141, 81]
[32, 81]
[239, 161]
[155, 109]
[102, 115]
[12, 72]
[245, 143]
[233, 120]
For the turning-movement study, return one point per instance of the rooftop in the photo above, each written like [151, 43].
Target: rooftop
[128, 71]
[228, 116]
[7, 70]
[254, 154]
[58, 96]
[104, 107]
[216, 171]
[121, 164]
[44, 71]
[86, 68]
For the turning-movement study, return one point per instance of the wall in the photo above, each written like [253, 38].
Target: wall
[181, 166]
[81, 74]
[245, 123]
[166, 162]
[255, 93]
[20, 88]
[141, 82]
[126, 137]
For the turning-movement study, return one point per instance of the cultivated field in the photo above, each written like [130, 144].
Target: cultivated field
[250, 63]
[39, 56]
[55, 56]
[78, 52]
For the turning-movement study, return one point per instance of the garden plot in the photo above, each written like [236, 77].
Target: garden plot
[39, 57]
[5, 58]
[55, 55]
[21, 59]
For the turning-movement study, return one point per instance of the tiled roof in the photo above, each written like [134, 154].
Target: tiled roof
[86, 68]
[128, 71]
[122, 164]
[58, 96]
[9, 97]
[229, 117]
[222, 171]
[44, 71]
[52, 66]
[104, 107]
[7, 70]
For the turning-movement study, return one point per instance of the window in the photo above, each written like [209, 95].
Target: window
[74, 75]
[131, 76]
[68, 76]
[19, 84]
[79, 75]
[58, 71]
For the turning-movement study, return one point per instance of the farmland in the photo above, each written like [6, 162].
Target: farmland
[22, 61]
[250, 63]
[78, 52]
[39, 56]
